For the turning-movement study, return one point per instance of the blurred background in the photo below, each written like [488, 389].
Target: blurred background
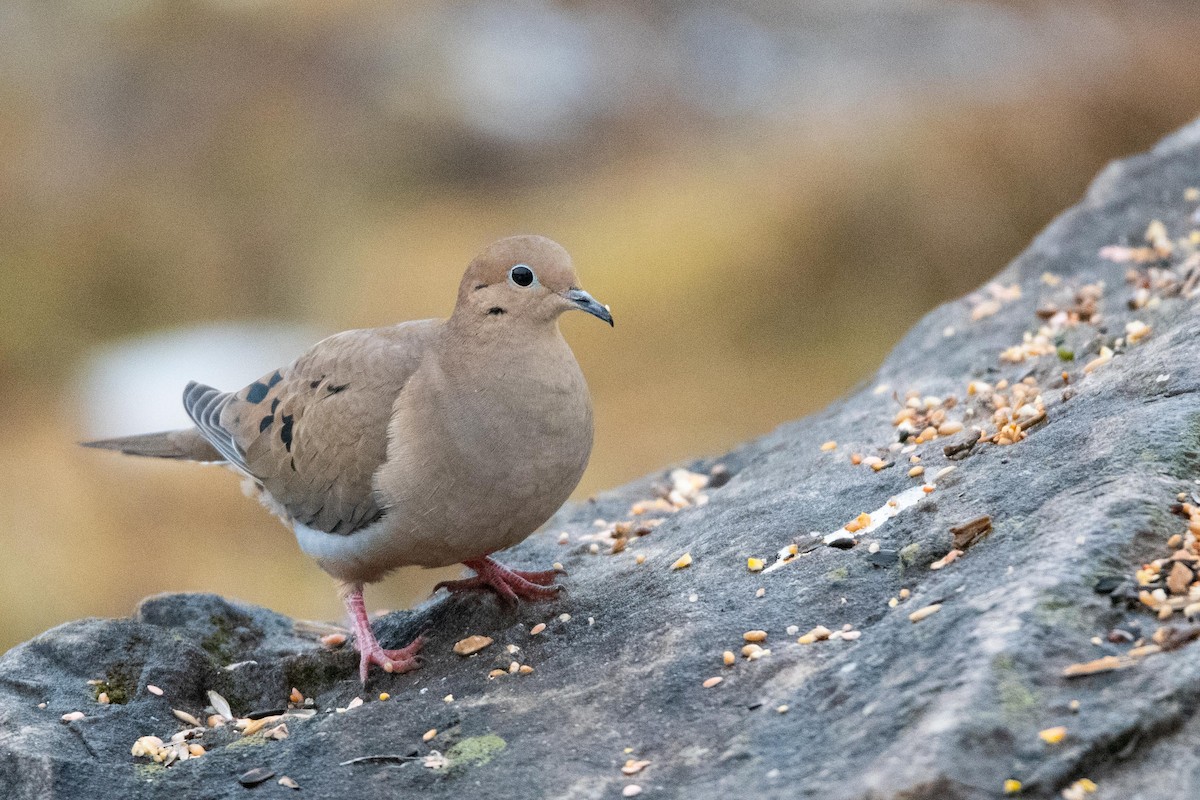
[767, 192]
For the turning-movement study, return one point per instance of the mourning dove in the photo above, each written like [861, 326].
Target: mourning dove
[426, 443]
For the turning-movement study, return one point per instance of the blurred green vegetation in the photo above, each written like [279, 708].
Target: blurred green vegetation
[164, 164]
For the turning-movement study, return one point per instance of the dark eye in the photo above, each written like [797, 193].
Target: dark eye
[521, 275]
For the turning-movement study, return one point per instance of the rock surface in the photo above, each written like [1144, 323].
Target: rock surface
[947, 707]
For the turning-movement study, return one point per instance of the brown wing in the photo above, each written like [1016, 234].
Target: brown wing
[314, 433]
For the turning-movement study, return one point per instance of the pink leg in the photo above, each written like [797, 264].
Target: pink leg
[367, 645]
[511, 584]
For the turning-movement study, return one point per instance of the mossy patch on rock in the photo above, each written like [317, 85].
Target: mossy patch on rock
[1018, 702]
[119, 684]
[312, 674]
[476, 750]
[231, 636]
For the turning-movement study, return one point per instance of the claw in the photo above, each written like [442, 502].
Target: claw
[370, 652]
[510, 584]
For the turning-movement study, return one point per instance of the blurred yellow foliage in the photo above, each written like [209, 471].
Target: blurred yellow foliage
[176, 163]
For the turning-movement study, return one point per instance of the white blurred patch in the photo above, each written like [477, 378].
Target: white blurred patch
[136, 386]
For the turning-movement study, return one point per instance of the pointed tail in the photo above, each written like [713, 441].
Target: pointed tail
[185, 445]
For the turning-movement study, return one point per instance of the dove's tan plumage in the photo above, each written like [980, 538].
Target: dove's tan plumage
[426, 443]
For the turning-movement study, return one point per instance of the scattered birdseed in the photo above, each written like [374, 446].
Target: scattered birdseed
[754, 564]
[905, 594]
[435, 760]
[728, 657]
[253, 726]
[564, 618]
[496, 673]
[196, 750]
[288, 782]
[693, 597]
[102, 698]
[1012, 786]
[295, 696]
[781, 709]
[792, 630]
[279, 733]
[513, 666]
[831, 445]
[922, 613]
[150, 746]
[683, 562]
[633, 766]
[448, 698]
[152, 689]
[355, 703]
[429, 734]
[72, 716]
[525, 669]
[1136, 330]
[850, 636]
[220, 705]
[632, 790]
[1079, 789]
[333, 640]
[761, 592]
[536, 629]
[1053, 735]
[949, 558]
[1106, 355]
[593, 548]
[184, 716]
[713, 681]
[256, 776]
[384, 697]
[564, 538]
[472, 644]
[817, 634]
[916, 472]
[513, 649]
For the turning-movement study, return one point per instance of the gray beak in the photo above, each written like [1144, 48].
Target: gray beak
[585, 302]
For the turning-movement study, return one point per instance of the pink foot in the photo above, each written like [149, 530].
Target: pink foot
[511, 584]
[369, 651]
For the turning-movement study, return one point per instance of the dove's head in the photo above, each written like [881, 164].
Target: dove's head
[523, 280]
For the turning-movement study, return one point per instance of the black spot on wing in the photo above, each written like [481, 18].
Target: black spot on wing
[496, 311]
[274, 405]
[285, 432]
[266, 423]
[257, 392]
[335, 389]
[275, 378]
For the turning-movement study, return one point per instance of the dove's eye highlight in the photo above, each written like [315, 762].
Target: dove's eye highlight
[521, 275]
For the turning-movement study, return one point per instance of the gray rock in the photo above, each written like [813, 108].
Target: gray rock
[949, 707]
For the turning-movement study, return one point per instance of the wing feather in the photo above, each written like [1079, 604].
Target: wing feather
[313, 434]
